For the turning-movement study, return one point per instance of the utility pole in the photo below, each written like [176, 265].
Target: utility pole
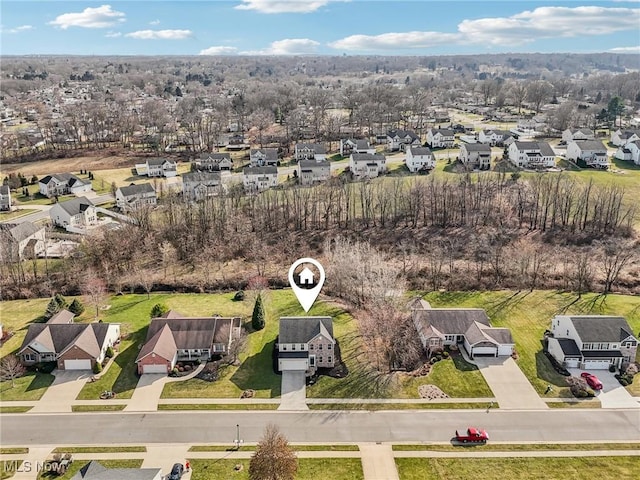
[237, 442]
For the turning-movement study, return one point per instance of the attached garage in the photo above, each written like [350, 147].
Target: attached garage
[83, 364]
[596, 364]
[288, 361]
[484, 351]
[572, 362]
[155, 368]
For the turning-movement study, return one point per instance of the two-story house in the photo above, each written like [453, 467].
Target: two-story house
[401, 139]
[366, 165]
[161, 167]
[213, 162]
[62, 184]
[5, 198]
[591, 342]
[577, 134]
[257, 179]
[621, 137]
[495, 138]
[264, 157]
[591, 153]
[441, 138]
[350, 145]
[197, 186]
[475, 155]
[532, 155]
[305, 344]
[629, 152]
[310, 151]
[135, 196]
[419, 159]
[21, 240]
[73, 214]
[313, 171]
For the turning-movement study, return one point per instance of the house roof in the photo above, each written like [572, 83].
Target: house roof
[313, 163]
[67, 178]
[420, 150]
[316, 147]
[584, 131]
[172, 314]
[591, 145]
[75, 205]
[269, 170]
[445, 132]
[60, 337]
[161, 343]
[138, 189]
[403, 134]
[159, 161]
[368, 157]
[418, 303]
[503, 133]
[96, 471]
[602, 353]
[451, 321]
[63, 316]
[303, 329]
[476, 147]
[202, 177]
[601, 328]
[20, 231]
[269, 153]
[543, 147]
[215, 156]
[569, 347]
[362, 144]
[4, 190]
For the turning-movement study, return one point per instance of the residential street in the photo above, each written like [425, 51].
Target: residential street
[559, 425]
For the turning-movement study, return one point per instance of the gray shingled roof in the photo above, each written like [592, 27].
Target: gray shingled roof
[477, 147]
[569, 347]
[584, 131]
[362, 144]
[60, 336]
[4, 190]
[403, 134]
[445, 132]
[137, 189]
[215, 156]
[452, 321]
[420, 150]
[601, 328]
[544, 148]
[157, 161]
[96, 471]
[76, 205]
[368, 157]
[67, 178]
[313, 163]
[591, 145]
[20, 231]
[316, 147]
[202, 177]
[271, 154]
[270, 170]
[303, 329]
[63, 316]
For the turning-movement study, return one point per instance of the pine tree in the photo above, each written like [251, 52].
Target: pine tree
[52, 308]
[61, 301]
[257, 319]
[76, 307]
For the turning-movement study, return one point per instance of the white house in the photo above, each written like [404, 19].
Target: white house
[475, 155]
[213, 162]
[310, 151]
[161, 167]
[629, 152]
[620, 137]
[532, 155]
[401, 139]
[21, 240]
[419, 159]
[134, 196]
[495, 137]
[366, 165]
[575, 134]
[5, 198]
[592, 152]
[76, 213]
[200, 185]
[257, 179]
[441, 138]
[313, 171]
[591, 342]
[263, 157]
[349, 146]
[305, 343]
[62, 184]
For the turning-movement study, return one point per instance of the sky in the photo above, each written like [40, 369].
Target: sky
[316, 27]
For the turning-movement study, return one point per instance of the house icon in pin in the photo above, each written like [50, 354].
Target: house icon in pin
[306, 276]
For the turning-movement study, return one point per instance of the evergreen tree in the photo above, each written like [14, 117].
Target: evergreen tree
[52, 308]
[158, 310]
[257, 319]
[76, 307]
[61, 301]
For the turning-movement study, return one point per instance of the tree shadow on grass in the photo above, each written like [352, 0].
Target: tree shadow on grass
[503, 305]
[546, 372]
[584, 305]
[127, 379]
[126, 306]
[256, 372]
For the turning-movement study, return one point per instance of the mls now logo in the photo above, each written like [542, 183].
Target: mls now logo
[26, 466]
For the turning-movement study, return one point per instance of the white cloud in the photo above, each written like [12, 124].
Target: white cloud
[160, 34]
[21, 28]
[113, 34]
[288, 46]
[626, 49]
[219, 50]
[100, 17]
[524, 27]
[154, 22]
[402, 40]
[283, 6]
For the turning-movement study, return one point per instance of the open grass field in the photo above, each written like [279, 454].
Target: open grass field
[529, 314]
[308, 469]
[547, 468]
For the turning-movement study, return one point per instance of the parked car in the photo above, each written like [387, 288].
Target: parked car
[472, 435]
[176, 472]
[592, 381]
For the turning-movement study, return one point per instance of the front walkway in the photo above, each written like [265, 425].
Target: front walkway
[509, 385]
[63, 391]
[293, 393]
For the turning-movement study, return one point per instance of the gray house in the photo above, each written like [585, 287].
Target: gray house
[200, 185]
[21, 240]
[313, 171]
[305, 344]
[5, 198]
[213, 162]
[264, 157]
[134, 196]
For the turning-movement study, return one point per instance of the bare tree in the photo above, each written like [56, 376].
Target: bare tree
[539, 92]
[94, 289]
[11, 368]
[273, 459]
[615, 256]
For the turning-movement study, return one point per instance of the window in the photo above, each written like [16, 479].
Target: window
[320, 347]
[29, 357]
[284, 348]
[312, 361]
[320, 359]
[329, 348]
[293, 347]
[311, 346]
[329, 359]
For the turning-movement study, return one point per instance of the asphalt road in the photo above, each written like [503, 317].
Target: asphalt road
[561, 425]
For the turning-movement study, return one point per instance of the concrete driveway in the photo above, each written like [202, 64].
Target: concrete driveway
[612, 395]
[294, 391]
[147, 393]
[509, 385]
[63, 391]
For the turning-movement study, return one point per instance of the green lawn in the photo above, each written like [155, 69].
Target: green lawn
[218, 406]
[400, 406]
[5, 409]
[29, 387]
[548, 468]
[13, 450]
[97, 408]
[77, 465]
[8, 467]
[99, 449]
[298, 448]
[308, 469]
[529, 314]
[4, 216]
[521, 447]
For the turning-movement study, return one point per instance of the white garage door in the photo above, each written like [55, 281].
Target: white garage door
[287, 364]
[596, 364]
[154, 369]
[77, 364]
[485, 351]
[571, 362]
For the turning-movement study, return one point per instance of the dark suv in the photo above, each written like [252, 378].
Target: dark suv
[176, 472]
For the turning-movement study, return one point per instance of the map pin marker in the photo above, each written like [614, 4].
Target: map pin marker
[306, 296]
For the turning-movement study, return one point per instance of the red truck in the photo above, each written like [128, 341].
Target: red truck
[472, 435]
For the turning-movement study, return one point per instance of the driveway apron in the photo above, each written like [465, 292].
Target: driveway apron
[294, 391]
[508, 384]
[378, 462]
[612, 395]
[63, 391]
[147, 393]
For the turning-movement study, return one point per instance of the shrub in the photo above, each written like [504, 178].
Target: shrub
[158, 310]
[76, 307]
[445, 354]
[97, 367]
[174, 372]
[257, 319]
[612, 368]
[433, 360]
[239, 296]
[46, 367]
[631, 370]
[109, 353]
[187, 368]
